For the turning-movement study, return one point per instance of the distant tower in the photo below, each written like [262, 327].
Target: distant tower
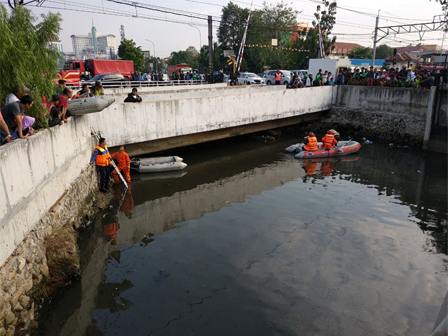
[122, 32]
[95, 44]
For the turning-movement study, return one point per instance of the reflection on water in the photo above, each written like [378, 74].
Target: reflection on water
[266, 244]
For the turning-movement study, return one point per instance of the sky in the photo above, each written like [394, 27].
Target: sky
[168, 36]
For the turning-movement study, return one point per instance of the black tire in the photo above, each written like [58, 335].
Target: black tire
[268, 83]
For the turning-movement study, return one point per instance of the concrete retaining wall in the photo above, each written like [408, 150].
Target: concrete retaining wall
[34, 174]
[395, 114]
[383, 99]
[171, 114]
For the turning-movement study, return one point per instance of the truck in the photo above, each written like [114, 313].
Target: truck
[182, 67]
[83, 70]
[330, 65]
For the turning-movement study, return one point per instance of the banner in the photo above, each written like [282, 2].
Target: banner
[266, 46]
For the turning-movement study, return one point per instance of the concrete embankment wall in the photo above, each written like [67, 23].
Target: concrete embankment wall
[397, 114]
[44, 184]
[168, 115]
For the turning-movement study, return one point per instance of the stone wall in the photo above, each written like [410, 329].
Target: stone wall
[25, 278]
[395, 114]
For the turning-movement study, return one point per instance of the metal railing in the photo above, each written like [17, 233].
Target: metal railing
[141, 84]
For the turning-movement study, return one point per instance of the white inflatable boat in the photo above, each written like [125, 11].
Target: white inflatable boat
[82, 106]
[157, 164]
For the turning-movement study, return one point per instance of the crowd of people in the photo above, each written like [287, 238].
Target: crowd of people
[410, 77]
[14, 124]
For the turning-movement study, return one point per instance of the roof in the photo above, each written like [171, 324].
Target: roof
[344, 47]
[403, 57]
[401, 50]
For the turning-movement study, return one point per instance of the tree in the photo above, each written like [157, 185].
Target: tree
[184, 56]
[129, 51]
[361, 52]
[384, 51]
[326, 18]
[26, 57]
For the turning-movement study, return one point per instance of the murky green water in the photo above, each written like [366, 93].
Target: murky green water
[250, 241]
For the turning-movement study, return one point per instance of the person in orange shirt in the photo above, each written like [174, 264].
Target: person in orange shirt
[124, 165]
[328, 141]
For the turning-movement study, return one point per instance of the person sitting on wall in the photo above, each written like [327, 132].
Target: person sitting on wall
[17, 92]
[97, 90]
[328, 141]
[55, 115]
[101, 158]
[5, 135]
[83, 93]
[63, 103]
[311, 143]
[59, 89]
[13, 114]
[133, 97]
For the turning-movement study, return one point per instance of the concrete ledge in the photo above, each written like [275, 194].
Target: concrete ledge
[34, 175]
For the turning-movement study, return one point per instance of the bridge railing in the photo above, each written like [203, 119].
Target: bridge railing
[137, 84]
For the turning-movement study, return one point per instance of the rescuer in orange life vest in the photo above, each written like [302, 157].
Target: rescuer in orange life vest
[311, 143]
[124, 165]
[110, 230]
[278, 77]
[328, 141]
[101, 158]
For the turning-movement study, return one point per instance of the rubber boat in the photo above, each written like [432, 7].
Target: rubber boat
[82, 106]
[342, 148]
[157, 164]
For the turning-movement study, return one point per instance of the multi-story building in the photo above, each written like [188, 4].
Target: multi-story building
[94, 45]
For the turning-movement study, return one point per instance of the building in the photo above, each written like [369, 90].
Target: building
[341, 49]
[400, 59]
[94, 45]
[300, 31]
[57, 45]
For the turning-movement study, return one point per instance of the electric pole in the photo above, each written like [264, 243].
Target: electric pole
[375, 38]
[210, 45]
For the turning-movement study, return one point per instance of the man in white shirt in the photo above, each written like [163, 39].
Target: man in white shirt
[18, 92]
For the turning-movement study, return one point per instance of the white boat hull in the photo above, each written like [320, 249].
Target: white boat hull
[89, 105]
[157, 164]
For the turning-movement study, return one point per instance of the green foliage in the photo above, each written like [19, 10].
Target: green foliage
[130, 52]
[326, 17]
[272, 21]
[384, 51]
[184, 56]
[26, 57]
[361, 52]
[157, 63]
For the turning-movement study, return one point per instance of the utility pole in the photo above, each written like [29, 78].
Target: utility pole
[375, 38]
[210, 45]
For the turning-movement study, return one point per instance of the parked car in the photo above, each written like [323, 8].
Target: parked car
[249, 78]
[269, 78]
[109, 80]
[301, 73]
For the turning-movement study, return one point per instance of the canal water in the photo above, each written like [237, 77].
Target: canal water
[248, 240]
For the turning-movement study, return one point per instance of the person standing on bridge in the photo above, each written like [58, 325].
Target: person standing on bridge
[101, 158]
[278, 77]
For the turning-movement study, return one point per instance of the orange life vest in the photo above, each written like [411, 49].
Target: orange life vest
[103, 157]
[110, 230]
[278, 76]
[310, 168]
[312, 144]
[328, 141]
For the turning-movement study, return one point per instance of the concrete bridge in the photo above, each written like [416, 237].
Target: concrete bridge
[171, 117]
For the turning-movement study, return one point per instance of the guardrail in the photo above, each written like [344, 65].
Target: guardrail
[137, 84]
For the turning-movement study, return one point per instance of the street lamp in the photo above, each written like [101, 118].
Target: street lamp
[200, 37]
[155, 59]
